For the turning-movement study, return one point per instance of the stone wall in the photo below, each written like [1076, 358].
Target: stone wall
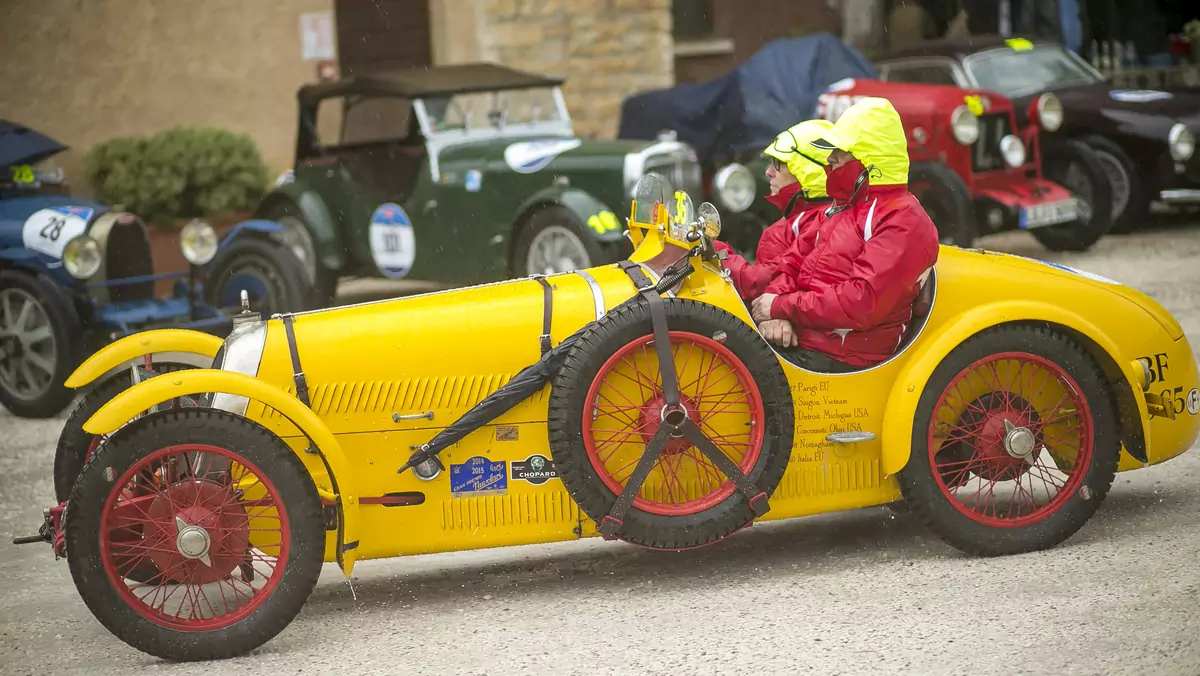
[84, 71]
[606, 50]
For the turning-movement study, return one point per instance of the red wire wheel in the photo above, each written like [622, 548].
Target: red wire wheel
[196, 507]
[720, 397]
[1015, 442]
[1013, 439]
[219, 510]
[607, 402]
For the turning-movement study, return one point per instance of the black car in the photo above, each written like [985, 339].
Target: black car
[1144, 138]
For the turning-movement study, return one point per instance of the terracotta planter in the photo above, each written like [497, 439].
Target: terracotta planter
[164, 245]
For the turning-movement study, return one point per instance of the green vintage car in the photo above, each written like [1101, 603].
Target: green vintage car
[456, 175]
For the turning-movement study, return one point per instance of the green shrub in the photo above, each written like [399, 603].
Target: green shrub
[179, 173]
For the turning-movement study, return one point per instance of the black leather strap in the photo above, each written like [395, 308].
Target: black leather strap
[611, 524]
[757, 498]
[662, 339]
[547, 312]
[301, 382]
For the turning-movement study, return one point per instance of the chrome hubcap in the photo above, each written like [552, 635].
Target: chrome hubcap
[1019, 442]
[28, 351]
[555, 250]
[192, 542]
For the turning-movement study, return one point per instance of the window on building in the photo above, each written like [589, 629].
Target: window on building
[693, 19]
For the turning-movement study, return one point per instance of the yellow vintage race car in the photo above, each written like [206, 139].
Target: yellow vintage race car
[202, 483]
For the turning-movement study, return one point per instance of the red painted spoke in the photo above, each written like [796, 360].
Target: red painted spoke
[632, 406]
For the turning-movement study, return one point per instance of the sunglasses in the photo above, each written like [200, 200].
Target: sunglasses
[779, 145]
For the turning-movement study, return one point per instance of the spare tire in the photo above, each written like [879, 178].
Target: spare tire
[606, 403]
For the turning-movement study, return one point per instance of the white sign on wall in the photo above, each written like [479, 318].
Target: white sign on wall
[316, 36]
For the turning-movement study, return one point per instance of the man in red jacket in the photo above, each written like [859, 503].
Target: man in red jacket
[798, 191]
[843, 293]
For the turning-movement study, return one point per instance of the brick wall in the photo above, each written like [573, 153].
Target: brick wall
[606, 49]
[750, 24]
[86, 70]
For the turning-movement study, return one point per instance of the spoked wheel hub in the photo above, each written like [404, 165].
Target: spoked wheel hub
[656, 411]
[1004, 442]
[199, 531]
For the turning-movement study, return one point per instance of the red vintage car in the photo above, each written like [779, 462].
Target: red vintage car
[977, 172]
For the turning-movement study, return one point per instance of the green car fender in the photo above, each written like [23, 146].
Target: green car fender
[600, 222]
[327, 239]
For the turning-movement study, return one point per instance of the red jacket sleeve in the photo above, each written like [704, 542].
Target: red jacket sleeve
[903, 245]
[750, 279]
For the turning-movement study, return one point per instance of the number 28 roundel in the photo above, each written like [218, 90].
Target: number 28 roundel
[393, 245]
[48, 230]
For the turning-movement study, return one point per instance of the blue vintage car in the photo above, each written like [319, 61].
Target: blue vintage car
[76, 274]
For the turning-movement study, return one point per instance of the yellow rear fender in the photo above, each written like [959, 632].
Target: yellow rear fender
[898, 419]
[125, 406]
[168, 345]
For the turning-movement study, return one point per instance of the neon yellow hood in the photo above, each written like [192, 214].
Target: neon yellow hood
[871, 131]
[787, 148]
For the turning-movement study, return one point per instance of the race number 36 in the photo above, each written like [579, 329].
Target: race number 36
[393, 245]
[48, 230]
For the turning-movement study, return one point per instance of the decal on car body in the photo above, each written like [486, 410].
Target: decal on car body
[532, 156]
[48, 230]
[536, 469]
[393, 245]
[478, 476]
[1193, 401]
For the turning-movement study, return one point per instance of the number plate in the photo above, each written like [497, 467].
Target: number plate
[49, 230]
[1053, 213]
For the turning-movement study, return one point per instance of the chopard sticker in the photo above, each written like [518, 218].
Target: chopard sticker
[507, 433]
[393, 245]
[532, 156]
[536, 469]
[48, 230]
[478, 476]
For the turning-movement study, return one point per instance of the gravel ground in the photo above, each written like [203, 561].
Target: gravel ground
[859, 592]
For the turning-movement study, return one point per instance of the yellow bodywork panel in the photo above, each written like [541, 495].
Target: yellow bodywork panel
[141, 344]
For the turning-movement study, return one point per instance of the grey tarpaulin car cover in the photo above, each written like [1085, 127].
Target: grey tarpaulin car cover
[745, 108]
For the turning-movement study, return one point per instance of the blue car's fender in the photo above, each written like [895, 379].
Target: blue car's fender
[254, 225]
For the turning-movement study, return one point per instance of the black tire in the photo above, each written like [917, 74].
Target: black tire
[1090, 184]
[566, 219]
[1131, 215]
[568, 403]
[323, 280]
[253, 443]
[279, 281]
[929, 502]
[947, 200]
[73, 443]
[49, 303]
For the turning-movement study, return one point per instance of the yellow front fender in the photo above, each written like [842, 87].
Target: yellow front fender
[179, 342]
[155, 391]
[897, 430]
